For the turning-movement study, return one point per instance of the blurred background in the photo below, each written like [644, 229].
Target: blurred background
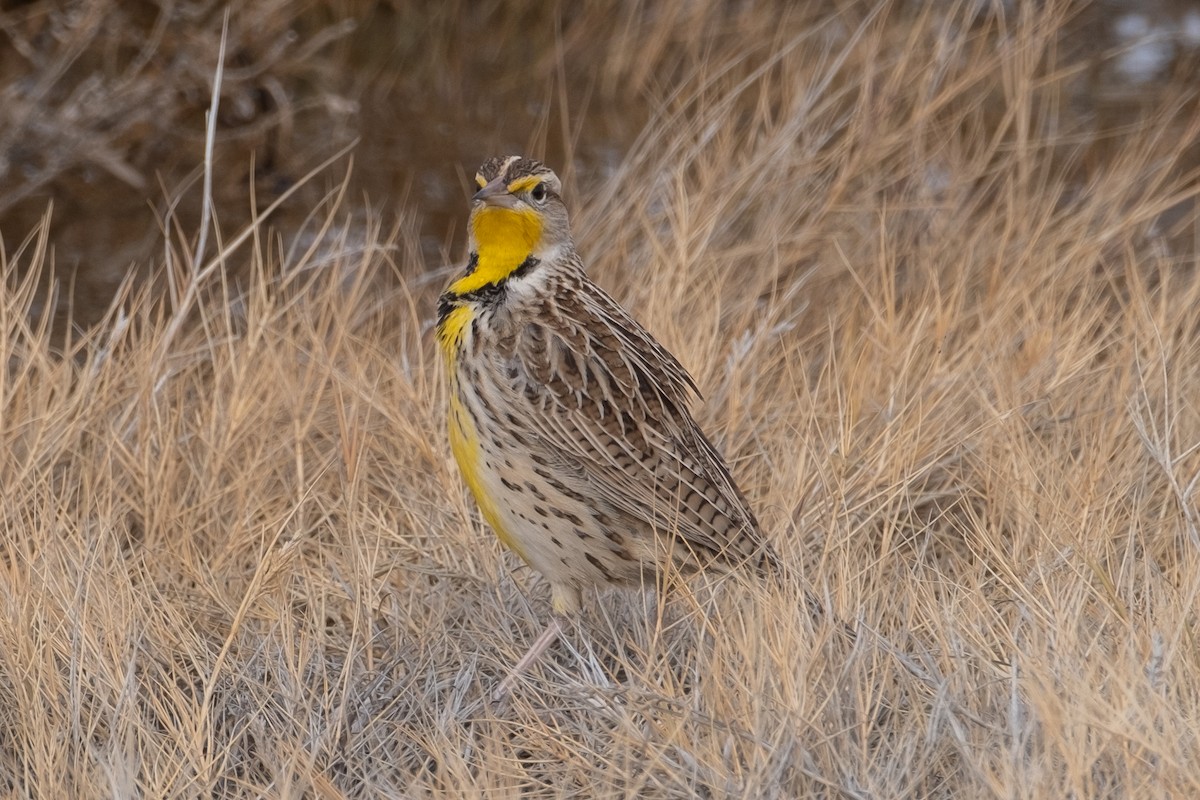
[102, 105]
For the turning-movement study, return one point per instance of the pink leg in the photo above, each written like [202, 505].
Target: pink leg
[535, 650]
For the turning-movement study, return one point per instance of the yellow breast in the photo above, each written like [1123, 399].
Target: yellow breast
[504, 238]
[450, 332]
[464, 438]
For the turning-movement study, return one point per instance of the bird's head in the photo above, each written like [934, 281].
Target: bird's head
[518, 221]
[518, 206]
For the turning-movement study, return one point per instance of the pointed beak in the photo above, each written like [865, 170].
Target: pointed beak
[495, 194]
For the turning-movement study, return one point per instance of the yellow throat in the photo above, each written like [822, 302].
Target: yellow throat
[503, 239]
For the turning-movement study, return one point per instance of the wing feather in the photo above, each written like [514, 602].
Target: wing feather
[610, 407]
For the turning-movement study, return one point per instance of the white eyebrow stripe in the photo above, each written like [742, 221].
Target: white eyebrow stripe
[508, 162]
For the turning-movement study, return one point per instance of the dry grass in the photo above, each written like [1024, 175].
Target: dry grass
[947, 335]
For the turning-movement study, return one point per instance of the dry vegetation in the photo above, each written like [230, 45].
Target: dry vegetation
[946, 326]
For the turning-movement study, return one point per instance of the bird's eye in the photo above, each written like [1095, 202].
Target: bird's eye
[538, 193]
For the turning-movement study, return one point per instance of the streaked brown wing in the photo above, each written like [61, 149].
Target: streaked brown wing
[610, 405]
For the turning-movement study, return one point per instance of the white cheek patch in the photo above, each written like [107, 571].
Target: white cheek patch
[549, 254]
[529, 283]
[533, 281]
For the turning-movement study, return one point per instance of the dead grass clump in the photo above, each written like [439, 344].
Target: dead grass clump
[102, 109]
[121, 88]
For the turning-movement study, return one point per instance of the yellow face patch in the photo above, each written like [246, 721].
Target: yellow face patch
[524, 184]
[505, 237]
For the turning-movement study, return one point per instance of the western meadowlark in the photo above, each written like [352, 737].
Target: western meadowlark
[568, 420]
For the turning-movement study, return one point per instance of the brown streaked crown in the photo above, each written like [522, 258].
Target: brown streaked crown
[512, 168]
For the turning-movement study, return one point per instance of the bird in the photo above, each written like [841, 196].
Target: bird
[570, 423]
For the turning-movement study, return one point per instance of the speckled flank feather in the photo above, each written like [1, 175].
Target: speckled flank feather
[586, 453]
